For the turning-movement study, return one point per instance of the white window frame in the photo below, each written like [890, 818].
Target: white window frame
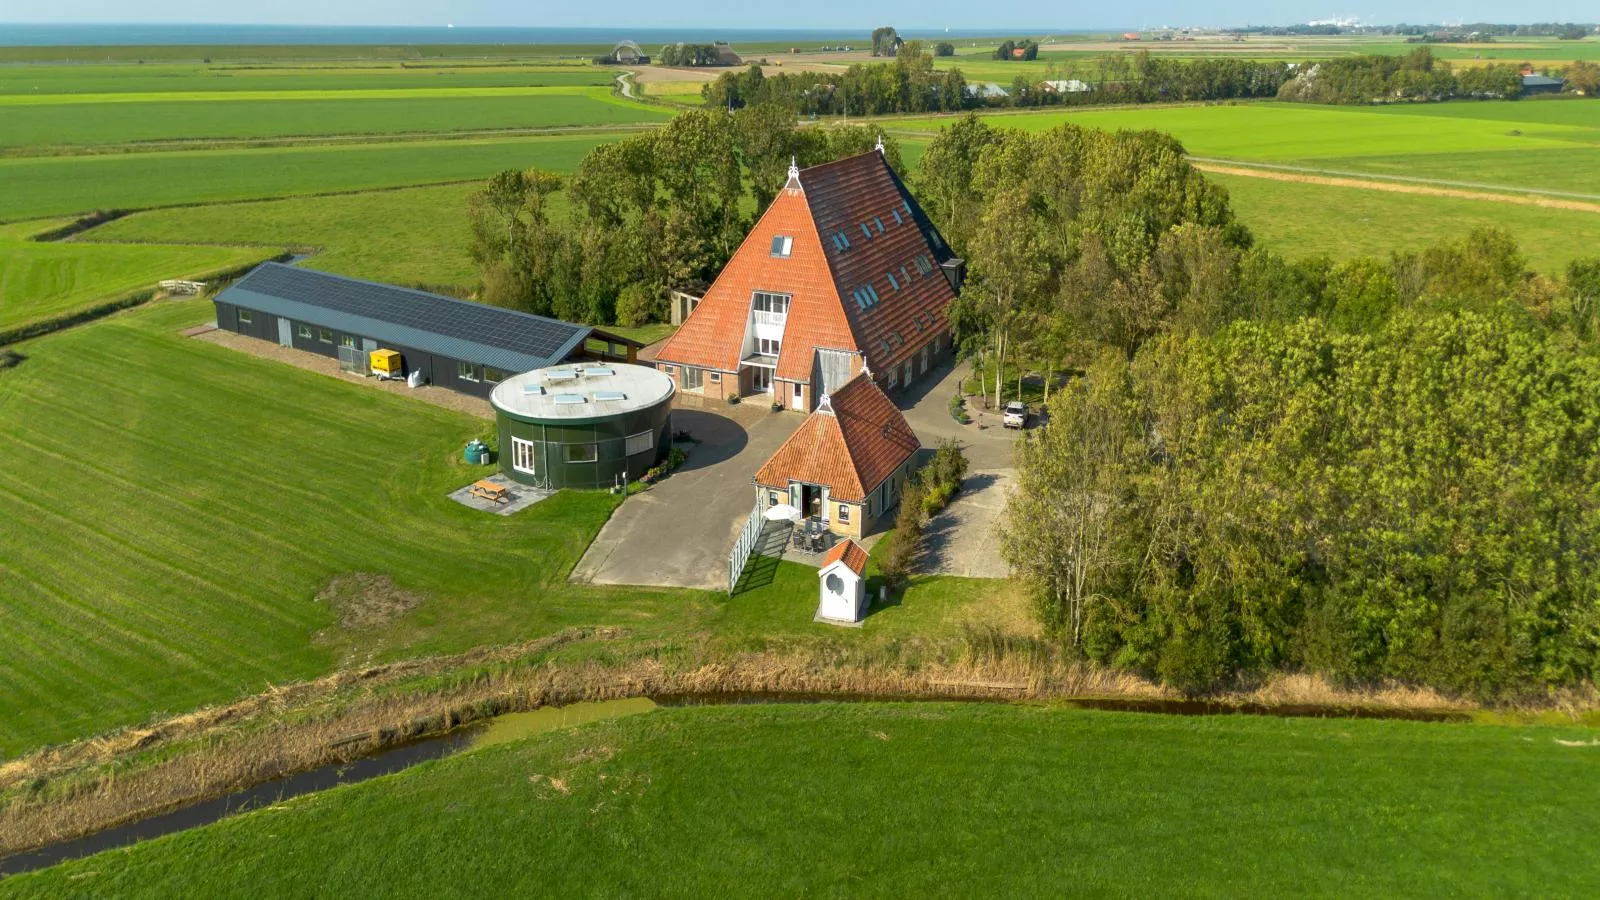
[324, 335]
[713, 376]
[693, 378]
[499, 375]
[466, 371]
[303, 330]
[524, 455]
[782, 246]
[844, 514]
[246, 317]
[643, 442]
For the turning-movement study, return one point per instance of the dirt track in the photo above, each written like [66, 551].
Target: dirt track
[1393, 187]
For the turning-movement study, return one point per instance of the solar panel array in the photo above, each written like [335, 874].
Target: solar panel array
[491, 326]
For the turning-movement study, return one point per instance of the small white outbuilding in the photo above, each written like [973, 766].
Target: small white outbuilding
[843, 583]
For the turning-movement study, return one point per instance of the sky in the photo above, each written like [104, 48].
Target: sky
[905, 14]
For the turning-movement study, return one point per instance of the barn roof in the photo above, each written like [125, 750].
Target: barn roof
[433, 323]
[851, 445]
[863, 274]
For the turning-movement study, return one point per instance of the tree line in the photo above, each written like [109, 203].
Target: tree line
[1370, 469]
[909, 84]
[642, 216]
[1417, 76]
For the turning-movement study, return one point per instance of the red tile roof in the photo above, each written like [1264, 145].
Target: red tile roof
[851, 449]
[848, 552]
[835, 198]
[863, 190]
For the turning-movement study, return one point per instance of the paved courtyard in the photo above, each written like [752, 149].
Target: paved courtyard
[678, 533]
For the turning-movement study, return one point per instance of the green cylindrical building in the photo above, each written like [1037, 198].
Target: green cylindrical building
[583, 425]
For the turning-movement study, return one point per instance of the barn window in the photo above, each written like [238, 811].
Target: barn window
[347, 341]
[492, 375]
[303, 331]
[781, 245]
[582, 453]
[325, 336]
[466, 371]
[639, 443]
[245, 317]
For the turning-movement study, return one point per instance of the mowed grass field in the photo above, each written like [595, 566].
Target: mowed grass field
[918, 800]
[170, 509]
[406, 236]
[37, 187]
[1530, 144]
[39, 280]
[361, 75]
[44, 121]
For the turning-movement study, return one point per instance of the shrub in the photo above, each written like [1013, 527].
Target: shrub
[906, 541]
[958, 410]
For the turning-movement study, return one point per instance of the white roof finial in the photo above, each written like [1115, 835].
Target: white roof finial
[794, 174]
[879, 148]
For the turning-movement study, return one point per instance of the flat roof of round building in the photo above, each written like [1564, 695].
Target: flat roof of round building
[581, 391]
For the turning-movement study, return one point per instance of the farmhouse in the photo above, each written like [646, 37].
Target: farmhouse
[843, 275]
[583, 426]
[847, 463]
[456, 344]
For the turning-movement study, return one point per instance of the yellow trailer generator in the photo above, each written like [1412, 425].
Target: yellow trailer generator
[386, 364]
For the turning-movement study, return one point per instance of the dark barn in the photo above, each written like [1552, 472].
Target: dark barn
[456, 344]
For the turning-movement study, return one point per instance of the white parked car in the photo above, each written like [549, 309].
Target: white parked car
[1015, 415]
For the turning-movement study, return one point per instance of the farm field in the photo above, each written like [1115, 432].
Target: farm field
[39, 187]
[891, 800]
[39, 280]
[38, 80]
[1342, 137]
[95, 119]
[1300, 220]
[415, 236]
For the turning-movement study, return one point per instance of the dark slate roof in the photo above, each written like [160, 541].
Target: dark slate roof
[458, 329]
[1541, 81]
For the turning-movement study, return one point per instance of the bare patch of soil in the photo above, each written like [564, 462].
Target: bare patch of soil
[365, 601]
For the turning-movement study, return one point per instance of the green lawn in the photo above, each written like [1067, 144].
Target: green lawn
[65, 119]
[173, 508]
[918, 800]
[406, 236]
[1300, 220]
[54, 186]
[39, 280]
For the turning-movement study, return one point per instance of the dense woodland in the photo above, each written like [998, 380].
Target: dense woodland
[1375, 469]
[642, 216]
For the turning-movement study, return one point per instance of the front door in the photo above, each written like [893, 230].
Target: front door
[799, 400]
[761, 379]
[285, 334]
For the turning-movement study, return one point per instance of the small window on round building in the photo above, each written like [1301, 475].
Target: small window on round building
[834, 583]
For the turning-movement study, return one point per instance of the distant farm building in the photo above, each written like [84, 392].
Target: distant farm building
[583, 426]
[985, 90]
[1541, 84]
[1069, 86]
[843, 274]
[456, 344]
[628, 53]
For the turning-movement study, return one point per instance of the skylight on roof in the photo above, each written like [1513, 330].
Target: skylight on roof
[866, 231]
[568, 399]
[529, 387]
[906, 206]
[873, 293]
[897, 219]
[782, 245]
[893, 283]
[878, 222]
[610, 395]
[598, 371]
[559, 375]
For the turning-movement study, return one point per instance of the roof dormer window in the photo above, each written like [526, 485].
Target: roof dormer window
[866, 231]
[781, 245]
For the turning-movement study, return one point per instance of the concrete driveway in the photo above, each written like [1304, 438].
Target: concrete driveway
[963, 539]
[678, 533]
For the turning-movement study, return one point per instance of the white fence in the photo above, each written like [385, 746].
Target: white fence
[749, 537]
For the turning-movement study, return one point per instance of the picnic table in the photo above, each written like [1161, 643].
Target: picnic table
[488, 490]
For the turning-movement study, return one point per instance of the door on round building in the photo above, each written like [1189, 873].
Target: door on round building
[523, 456]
